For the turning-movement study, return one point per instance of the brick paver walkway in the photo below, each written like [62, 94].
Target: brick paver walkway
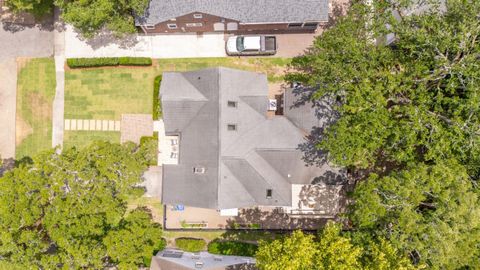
[92, 124]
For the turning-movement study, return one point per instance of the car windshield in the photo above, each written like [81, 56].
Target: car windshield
[240, 46]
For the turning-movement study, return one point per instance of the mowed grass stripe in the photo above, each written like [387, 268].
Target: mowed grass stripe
[35, 94]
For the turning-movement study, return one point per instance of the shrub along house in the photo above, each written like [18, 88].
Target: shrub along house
[233, 16]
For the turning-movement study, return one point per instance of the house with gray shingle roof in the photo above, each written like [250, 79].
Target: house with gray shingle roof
[233, 16]
[229, 153]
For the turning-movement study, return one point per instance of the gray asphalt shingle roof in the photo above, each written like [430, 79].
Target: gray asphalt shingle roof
[244, 11]
[240, 165]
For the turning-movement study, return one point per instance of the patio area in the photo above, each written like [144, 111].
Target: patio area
[312, 206]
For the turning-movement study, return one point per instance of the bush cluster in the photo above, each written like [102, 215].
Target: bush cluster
[149, 146]
[108, 61]
[190, 244]
[232, 248]
[157, 105]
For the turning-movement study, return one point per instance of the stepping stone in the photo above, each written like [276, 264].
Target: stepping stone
[111, 125]
[67, 124]
[98, 125]
[86, 125]
[79, 124]
[117, 125]
[92, 124]
[73, 124]
[105, 125]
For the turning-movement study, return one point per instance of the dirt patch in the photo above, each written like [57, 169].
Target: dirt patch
[275, 89]
[23, 129]
[21, 63]
[40, 106]
[259, 66]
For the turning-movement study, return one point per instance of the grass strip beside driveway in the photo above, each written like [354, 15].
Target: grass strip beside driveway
[35, 94]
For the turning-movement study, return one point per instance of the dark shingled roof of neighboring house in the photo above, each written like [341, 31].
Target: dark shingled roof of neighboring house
[244, 11]
[262, 153]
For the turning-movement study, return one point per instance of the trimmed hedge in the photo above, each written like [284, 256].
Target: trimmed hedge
[190, 244]
[91, 62]
[108, 61]
[135, 61]
[232, 248]
[157, 105]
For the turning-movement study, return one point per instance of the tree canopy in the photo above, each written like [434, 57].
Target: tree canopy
[408, 122]
[93, 16]
[90, 17]
[70, 210]
[35, 7]
[331, 250]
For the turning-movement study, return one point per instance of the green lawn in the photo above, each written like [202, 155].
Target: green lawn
[84, 138]
[35, 94]
[273, 67]
[107, 93]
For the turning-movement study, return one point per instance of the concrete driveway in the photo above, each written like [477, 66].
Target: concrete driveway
[155, 46]
[26, 42]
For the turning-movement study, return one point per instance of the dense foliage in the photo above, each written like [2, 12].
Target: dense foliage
[69, 210]
[36, 7]
[108, 61]
[232, 248]
[408, 123]
[157, 104]
[149, 145]
[90, 17]
[93, 16]
[330, 250]
[190, 244]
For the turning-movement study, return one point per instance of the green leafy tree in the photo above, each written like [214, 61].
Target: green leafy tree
[429, 210]
[93, 16]
[70, 210]
[135, 239]
[336, 252]
[332, 250]
[407, 126]
[38, 8]
[296, 252]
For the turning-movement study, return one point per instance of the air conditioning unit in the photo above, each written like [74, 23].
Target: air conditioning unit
[272, 104]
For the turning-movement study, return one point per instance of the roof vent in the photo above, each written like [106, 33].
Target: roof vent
[199, 265]
[199, 170]
[269, 193]
[172, 254]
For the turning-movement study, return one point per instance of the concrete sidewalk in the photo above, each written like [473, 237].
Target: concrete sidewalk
[154, 46]
[8, 105]
[59, 101]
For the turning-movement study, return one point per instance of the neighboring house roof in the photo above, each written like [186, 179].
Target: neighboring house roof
[244, 11]
[239, 165]
[170, 259]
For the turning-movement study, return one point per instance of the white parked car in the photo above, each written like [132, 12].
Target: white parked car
[251, 45]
